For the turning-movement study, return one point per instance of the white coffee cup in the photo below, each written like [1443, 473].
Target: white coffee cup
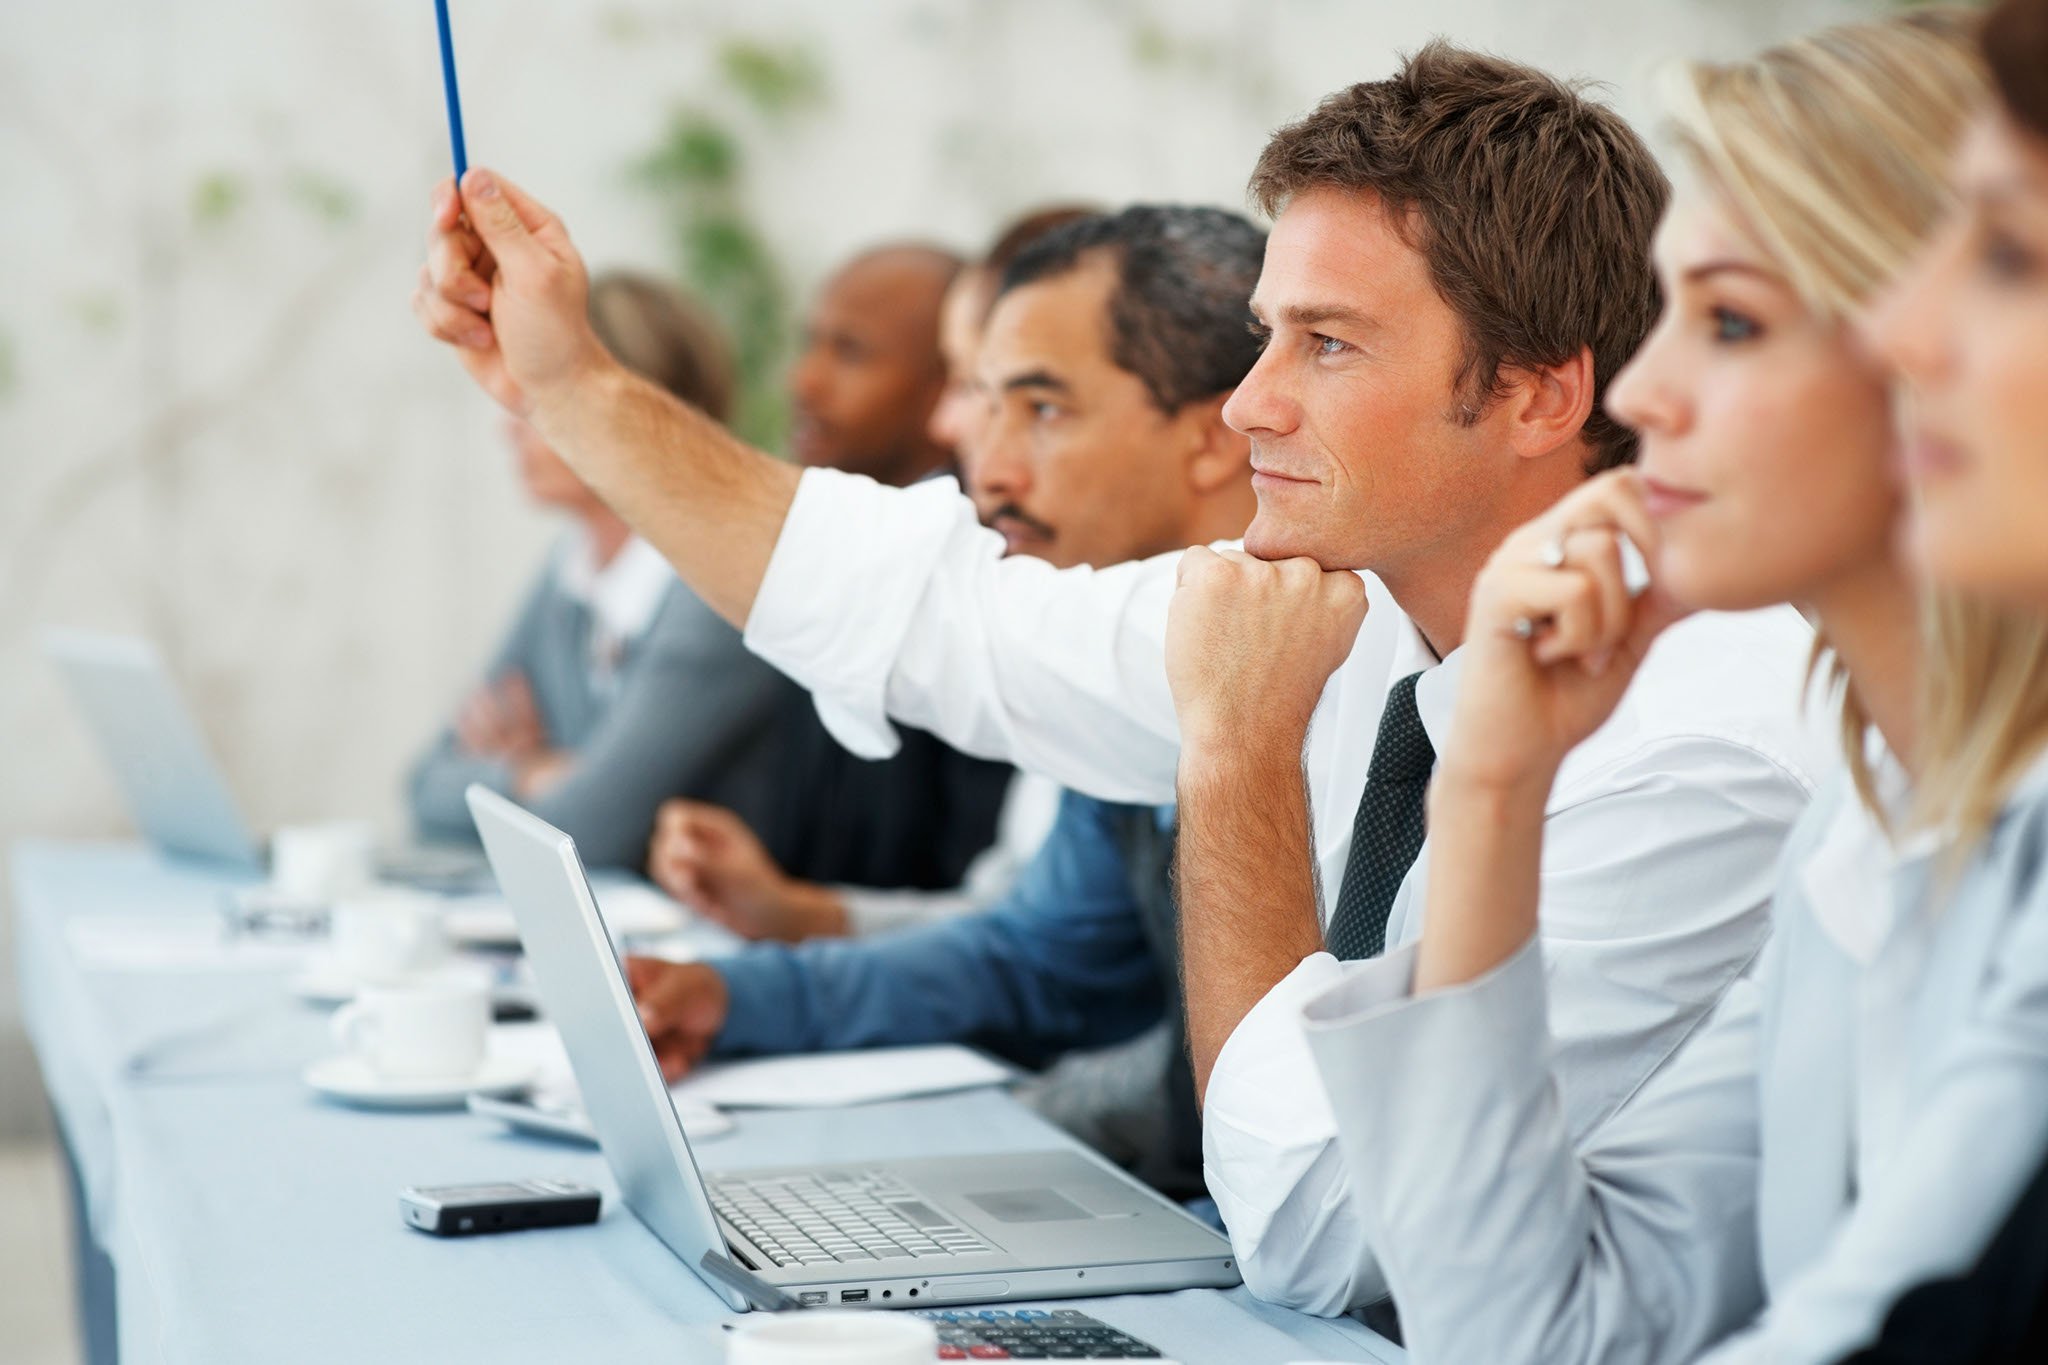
[320, 863]
[428, 1027]
[832, 1337]
[386, 935]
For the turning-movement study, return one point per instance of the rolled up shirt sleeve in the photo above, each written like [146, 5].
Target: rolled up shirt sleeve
[1269, 1155]
[897, 602]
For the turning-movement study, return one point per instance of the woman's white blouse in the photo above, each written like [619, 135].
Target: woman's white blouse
[1856, 1119]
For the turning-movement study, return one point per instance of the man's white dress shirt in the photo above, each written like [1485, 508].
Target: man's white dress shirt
[1661, 833]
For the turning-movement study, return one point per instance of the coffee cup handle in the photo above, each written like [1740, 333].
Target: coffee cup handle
[351, 1027]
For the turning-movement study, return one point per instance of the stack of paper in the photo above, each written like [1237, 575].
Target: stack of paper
[821, 1080]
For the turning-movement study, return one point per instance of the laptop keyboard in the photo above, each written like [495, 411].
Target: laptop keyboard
[839, 1217]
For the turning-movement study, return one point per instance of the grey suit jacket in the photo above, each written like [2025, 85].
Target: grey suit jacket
[1853, 1118]
[688, 712]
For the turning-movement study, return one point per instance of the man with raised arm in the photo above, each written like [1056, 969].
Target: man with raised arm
[1459, 263]
[1113, 345]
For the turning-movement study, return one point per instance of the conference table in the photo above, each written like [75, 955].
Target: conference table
[228, 1213]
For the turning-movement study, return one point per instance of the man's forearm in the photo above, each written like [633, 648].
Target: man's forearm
[1247, 888]
[711, 504]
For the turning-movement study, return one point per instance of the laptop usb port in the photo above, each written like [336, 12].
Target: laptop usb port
[811, 1298]
[853, 1296]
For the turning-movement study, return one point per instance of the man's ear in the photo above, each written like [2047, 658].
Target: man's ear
[1216, 455]
[1547, 406]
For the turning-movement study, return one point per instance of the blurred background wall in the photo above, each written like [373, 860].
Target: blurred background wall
[220, 427]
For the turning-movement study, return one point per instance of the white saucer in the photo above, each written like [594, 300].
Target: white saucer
[326, 982]
[349, 1078]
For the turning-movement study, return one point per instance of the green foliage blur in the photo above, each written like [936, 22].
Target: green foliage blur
[697, 171]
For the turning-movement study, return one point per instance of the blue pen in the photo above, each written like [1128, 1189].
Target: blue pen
[448, 84]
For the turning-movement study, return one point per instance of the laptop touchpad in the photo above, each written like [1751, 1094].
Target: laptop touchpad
[1037, 1205]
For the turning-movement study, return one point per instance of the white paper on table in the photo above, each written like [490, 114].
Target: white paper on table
[819, 1080]
[631, 909]
[173, 943]
[822, 1080]
[554, 1086]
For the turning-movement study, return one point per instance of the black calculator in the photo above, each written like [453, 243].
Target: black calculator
[1031, 1334]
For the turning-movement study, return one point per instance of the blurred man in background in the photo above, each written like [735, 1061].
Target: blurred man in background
[862, 391]
[869, 371]
[705, 855]
[1105, 366]
[963, 317]
[579, 715]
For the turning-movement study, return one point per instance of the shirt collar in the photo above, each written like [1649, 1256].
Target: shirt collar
[625, 594]
[1436, 693]
[2033, 781]
[1851, 876]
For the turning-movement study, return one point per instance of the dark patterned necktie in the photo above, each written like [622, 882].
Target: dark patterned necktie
[1387, 833]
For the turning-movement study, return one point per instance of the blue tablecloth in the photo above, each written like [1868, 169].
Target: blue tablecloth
[247, 1220]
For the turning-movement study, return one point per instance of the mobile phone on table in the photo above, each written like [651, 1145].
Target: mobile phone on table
[501, 1206]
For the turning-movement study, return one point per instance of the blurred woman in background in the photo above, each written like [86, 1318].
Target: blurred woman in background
[1968, 332]
[616, 688]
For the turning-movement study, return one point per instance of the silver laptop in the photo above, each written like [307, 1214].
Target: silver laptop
[887, 1234]
[177, 793]
[175, 790]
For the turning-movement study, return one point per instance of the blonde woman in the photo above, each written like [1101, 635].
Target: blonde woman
[1857, 1114]
[1968, 330]
[1969, 333]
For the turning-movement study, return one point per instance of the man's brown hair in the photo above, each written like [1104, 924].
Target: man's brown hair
[1532, 205]
[1022, 232]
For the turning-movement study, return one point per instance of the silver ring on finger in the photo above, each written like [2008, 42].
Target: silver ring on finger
[1551, 555]
[1523, 628]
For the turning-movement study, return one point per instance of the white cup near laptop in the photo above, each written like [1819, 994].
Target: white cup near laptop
[831, 1337]
[318, 864]
[383, 935]
[376, 936]
[428, 1027]
[419, 1041]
